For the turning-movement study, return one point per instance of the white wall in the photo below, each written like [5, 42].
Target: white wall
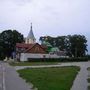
[25, 56]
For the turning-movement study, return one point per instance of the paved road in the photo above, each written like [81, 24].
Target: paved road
[80, 82]
[1, 77]
[10, 80]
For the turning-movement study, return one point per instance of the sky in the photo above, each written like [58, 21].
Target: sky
[49, 17]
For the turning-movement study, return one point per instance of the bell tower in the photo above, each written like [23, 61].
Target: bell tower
[30, 38]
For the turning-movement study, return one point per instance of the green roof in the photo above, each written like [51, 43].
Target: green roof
[54, 49]
[47, 44]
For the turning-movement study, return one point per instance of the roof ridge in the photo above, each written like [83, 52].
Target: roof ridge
[30, 47]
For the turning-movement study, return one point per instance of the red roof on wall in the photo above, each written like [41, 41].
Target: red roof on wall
[29, 47]
[23, 45]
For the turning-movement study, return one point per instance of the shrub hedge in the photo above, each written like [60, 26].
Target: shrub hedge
[71, 59]
[88, 56]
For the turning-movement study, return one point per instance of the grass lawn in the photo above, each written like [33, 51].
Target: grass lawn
[88, 80]
[51, 78]
[88, 68]
[32, 63]
[88, 87]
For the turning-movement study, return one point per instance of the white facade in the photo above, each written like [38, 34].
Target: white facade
[30, 41]
[26, 56]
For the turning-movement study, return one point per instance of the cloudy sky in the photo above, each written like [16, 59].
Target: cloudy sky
[49, 17]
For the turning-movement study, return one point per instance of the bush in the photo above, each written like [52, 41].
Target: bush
[88, 56]
[77, 59]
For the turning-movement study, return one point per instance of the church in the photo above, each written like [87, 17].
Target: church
[29, 49]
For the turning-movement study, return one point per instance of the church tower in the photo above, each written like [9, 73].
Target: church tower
[30, 38]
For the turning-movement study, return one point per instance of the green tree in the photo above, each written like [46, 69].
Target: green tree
[78, 45]
[74, 45]
[8, 40]
[59, 41]
[45, 42]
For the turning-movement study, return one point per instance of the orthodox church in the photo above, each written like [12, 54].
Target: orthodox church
[29, 47]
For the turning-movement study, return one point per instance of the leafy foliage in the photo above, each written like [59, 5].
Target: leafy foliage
[74, 45]
[8, 40]
[78, 45]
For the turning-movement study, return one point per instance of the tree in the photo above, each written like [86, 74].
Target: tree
[78, 45]
[45, 42]
[60, 41]
[74, 45]
[8, 40]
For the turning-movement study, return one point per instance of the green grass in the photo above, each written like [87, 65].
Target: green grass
[88, 68]
[31, 63]
[50, 78]
[88, 80]
[88, 87]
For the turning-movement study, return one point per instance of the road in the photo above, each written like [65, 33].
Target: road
[1, 77]
[10, 80]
